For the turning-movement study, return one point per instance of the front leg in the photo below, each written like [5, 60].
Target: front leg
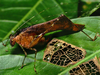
[24, 57]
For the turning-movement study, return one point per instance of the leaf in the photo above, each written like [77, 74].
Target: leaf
[53, 9]
[13, 11]
[90, 67]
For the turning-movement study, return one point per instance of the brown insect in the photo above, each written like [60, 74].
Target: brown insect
[30, 36]
[92, 67]
[62, 53]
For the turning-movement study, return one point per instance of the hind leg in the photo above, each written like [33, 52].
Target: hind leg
[35, 57]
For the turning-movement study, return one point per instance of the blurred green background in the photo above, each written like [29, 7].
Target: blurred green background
[14, 13]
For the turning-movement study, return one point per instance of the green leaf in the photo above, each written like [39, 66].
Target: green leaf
[12, 15]
[50, 7]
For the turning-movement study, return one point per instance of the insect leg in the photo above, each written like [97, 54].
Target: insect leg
[3, 44]
[24, 57]
[38, 38]
[35, 58]
[93, 39]
[6, 43]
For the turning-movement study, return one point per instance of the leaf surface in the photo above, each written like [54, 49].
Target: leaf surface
[14, 13]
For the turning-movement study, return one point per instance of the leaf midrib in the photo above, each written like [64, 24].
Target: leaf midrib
[21, 21]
